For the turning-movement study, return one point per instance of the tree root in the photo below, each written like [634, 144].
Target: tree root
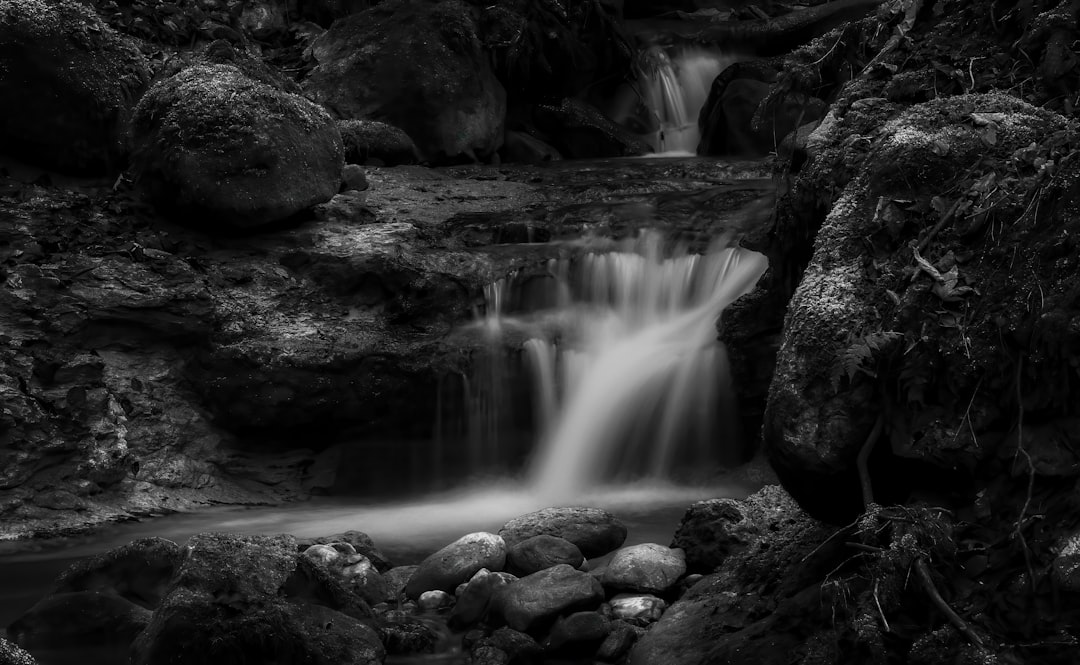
[861, 462]
[923, 572]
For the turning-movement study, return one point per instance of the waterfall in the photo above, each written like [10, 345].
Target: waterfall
[626, 374]
[676, 85]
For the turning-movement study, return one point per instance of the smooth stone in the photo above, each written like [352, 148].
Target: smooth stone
[475, 599]
[457, 562]
[645, 608]
[430, 601]
[540, 552]
[538, 598]
[578, 630]
[323, 554]
[645, 568]
[595, 531]
[397, 577]
[620, 639]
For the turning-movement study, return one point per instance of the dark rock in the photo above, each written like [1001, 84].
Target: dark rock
[211, 143]
[580, 131]
[80, 618]
[489, 655]
[620, 639]
[139, 571]
[13, 654]
[646, 568]
[355, 571]
[353, 178]
[475, 599]
[316, 583]
[396, 578]
[376, 143]
[417, 65]
[540, 552]
[76, 81]
[535, 600]
[457, 562]
[525, 148]
[407, 635]
[518, 645]
[595, 532]
[245, 568]
[580, 632]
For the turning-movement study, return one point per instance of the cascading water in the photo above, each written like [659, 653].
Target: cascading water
[676, 85]
[627, 377]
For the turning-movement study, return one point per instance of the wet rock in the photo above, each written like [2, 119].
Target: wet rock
[212, 144]
[525, 148]
[80, 618]
[620, 639]
[320, 584]
[13, 654]
[646, 568]
[475, 599]
[139, 571]
[431, 601]
[594, 531]
[396, 578]
[518, 645]
[376, 143]
[580, 632]
[228, 605]
[713, 529]
[578, 130]
[822, 408]
[76, 81]
[540, 552]
[489, 655]
[640, 609]
[360, 542]
[535, 600]
[405, 634]
[457, 562]
[361, 576]
[421, 67]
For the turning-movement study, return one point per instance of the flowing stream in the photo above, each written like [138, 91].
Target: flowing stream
[675, 84]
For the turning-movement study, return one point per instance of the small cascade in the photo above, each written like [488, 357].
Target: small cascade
[619, 352]
[676, 85]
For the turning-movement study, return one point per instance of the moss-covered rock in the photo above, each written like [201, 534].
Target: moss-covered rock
[215, 147]
[372, 142]
[417, 65]
[69, 82]
[939, 292]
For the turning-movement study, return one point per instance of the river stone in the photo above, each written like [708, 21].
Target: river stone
[457, 562]
[361, 576]
[595, 531]
[80, 618]
[518, 645]
[540, 552]
[75, 80]
[580, 631]
[639, 608]
[430, 601]
[244, 568]
[325, 555]
[397, 577]
[538, 598]
[360, 542]
[621, 637]
[475, 599]
[419, 65]
[489, 655]
[376, 143]
[139, 571]
[404, 634]
[217, 147]
[13, 654]
[647, 568]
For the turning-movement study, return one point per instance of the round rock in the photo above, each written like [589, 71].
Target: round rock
[594, 531]
[457, 562]
[219, 148]
[538, 598]
[646, 568]
[540, 552]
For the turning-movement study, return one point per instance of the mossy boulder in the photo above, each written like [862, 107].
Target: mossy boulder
[215, 147]
[69, 83]
[417, 65]
[937, 309]
[376, 143]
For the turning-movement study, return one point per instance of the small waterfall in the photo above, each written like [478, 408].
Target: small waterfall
[676, 85]
[626, 375]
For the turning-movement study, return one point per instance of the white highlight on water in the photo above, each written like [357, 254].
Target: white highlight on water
[675, 86]
[628, 378]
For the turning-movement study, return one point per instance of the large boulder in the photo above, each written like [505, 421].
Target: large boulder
[79, 619]
[457, 562]
[69, 82]
[139, 571]
[417, 65]
[951, 238]
[532, 602]
[376, 143]
[218, 147]
[593, 530]
[234, 600]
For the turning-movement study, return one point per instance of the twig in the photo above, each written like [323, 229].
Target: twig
[1017, 530]
[864, 457]
[949, 214]
[954, 618]
[843, 529]
[880, 611]
[864, 547]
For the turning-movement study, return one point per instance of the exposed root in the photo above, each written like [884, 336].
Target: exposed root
[923, 572]
[863, 459]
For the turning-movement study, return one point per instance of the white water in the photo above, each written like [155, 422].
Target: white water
[675, 86]
[627, 377]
